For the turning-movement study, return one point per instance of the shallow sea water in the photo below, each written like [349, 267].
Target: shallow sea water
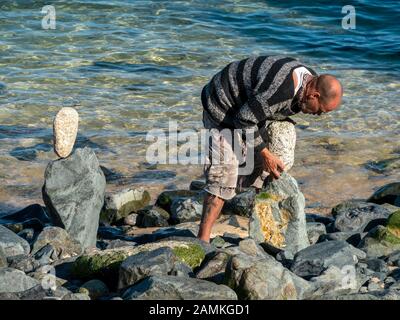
[130, 66]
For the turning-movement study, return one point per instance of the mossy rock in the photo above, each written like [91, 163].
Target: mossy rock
[104, 265]
[386, 236]
[393, 224]
[192, 254]
[262, 196]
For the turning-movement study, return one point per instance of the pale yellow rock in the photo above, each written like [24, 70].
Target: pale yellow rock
[65, 129]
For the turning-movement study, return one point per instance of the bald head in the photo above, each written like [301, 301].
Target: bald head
[330, 91]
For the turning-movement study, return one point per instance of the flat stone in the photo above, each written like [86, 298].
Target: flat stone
[379, 242]
[312, 261]
[263, 278]
[12, 280]
[65, 129]
[241, 204]
[389, 193]
[278, 216]
[33, 211]
[178, 288]
[12, 244]
[149, 263]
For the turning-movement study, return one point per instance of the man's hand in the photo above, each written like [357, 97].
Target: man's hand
[272, 163]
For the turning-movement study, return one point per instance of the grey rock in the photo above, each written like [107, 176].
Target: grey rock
[131, 219]
[213, 268]
[186, 210]
[157, 262]
[242, 204]
[12, 244]
[39, 293]
[393, 258]
[389, 193]
[375, 295]
[377, 265]
[28, 234]
[94, 289]
[233, 221]
[375, 243]
[358, 216]
[46, 255]
[281, 204]
[34, 211]
[119, 205]
[334, 281]
[152, 216]
[178, 288]
[259, 278]
[8, 296]
[12, 280]
[19, 226]
[64, 245]
[23, 262]
[314, 231]
[353, 238]
[310, 217]
[73, 192]
[166, 198]
[218, 242]
[181, 269]
[3, 258]
[119, 244]
[312, 261]
[76, 296]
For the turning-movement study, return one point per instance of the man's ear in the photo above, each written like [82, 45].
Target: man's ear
[316, 94]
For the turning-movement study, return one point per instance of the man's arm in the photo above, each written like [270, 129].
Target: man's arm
[246, 119]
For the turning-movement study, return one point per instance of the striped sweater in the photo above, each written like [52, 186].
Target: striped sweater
[248, 92]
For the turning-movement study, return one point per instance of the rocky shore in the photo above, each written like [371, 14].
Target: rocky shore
[88, 244]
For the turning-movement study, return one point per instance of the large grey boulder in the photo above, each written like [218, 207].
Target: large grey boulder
[74, 194]
[278, 216]
[12, 280]
[358, 216]
[312, 261]
[389, 193]
[62, 243]
[12, 244]
[263, 278]
[149, 263]
[178, 288]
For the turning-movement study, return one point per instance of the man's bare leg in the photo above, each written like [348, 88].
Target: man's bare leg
[212, 207]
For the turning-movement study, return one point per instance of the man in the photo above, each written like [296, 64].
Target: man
[257, 94]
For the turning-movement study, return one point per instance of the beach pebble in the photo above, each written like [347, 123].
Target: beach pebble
[65, 129]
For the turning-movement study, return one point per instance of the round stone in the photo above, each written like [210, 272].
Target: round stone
[65, 129]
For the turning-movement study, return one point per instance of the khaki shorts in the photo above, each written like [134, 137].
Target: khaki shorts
[227, 151]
